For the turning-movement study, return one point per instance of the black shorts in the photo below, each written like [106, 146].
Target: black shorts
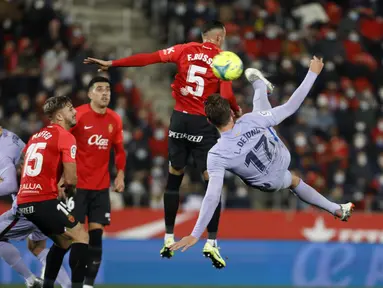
[190, 135]
[52, 217]
[92, 203]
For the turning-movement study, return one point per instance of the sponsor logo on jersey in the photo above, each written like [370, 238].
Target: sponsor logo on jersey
[30, 187]
[265, 113]
[191, 138]
[73, 150]
[71, 218]
[97, 140]
[110, 128]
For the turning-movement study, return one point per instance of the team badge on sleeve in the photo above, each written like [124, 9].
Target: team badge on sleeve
[265, 113]
[73, 150]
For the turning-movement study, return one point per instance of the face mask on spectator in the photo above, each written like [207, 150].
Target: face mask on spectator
[7, 23]
[331, 35]
[360, 141]
[353, 15]
[157, 172]
[380, 180]
[329, 66]
[48, 82]
[86, 79]
[127, 83]
[300, 141]
[39, 4]
[127, 136]
[141, 154]
[380, 125]
[159, 134]
[343, 105]
[350, 93]
[305, 61]
[271, 33]
[362, 159]
[293, 36]
[249, 35]
[287, 64]
[339, 178]
[381, 93]
[322, 101]
[180, 9]
[200, 8]
[367, 94]
[354, 37]
[263, 14]
[360, 126]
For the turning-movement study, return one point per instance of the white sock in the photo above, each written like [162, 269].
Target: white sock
[87, 286]
[167, 236]
[30, 280]
[212, 242]
[63, 277]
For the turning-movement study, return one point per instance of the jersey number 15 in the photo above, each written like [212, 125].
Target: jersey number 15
[34, 154]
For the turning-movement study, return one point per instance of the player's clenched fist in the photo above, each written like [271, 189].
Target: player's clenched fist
[316, 65]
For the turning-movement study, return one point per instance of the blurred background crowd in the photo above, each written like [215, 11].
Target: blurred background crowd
[336, 138]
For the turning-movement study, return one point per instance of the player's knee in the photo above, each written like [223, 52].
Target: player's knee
[294, 181]
[35, 247]
[176, 170]
[79, 234]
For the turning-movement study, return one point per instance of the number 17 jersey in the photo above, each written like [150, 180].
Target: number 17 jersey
[253, 152]
[45, 154]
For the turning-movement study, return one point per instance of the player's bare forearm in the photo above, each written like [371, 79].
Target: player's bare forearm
[70, 174]
[226, 91]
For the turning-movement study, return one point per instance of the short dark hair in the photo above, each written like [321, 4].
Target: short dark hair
[53, 104]
[97, 79]
[211, 25]
[217, 110]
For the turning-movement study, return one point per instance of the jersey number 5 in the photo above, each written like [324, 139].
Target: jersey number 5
[34, 154]
[198, 80]
[252, 158]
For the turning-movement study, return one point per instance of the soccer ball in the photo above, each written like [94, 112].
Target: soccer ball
[227, 66]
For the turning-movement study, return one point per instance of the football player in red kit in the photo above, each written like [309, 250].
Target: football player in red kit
[50, 154]
[189, 133]
[98, 130]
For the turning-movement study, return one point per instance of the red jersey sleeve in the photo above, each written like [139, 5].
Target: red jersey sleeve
[67, 147]
[171, 54]
[120, 155]
[226, 91]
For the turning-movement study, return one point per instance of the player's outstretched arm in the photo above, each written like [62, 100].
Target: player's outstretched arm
[139, 60]
[210, 202]
[8, 177]
[277, 114]
[226, 91]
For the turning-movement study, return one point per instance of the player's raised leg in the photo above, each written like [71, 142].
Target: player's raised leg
[309, 195]
[262, 87]
[11, 255]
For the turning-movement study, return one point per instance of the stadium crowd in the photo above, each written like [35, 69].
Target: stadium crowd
[336, 138]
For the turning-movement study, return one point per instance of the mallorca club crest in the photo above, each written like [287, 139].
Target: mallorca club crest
[110, 128]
